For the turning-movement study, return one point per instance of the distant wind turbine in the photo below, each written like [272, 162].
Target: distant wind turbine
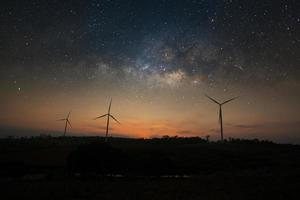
[67, 123]
[108, 117]
[220, 112]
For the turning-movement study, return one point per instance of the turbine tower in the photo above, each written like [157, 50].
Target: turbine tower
[108, 117]
[220, 112]
[67, 123]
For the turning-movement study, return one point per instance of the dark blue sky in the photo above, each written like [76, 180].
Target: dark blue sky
[56, 31]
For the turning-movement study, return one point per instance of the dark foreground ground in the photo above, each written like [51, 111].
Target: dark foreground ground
[169, 168]
[207, 187]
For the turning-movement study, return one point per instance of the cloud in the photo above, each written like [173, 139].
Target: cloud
[244, 126]
[101, 127]
[184, 132]
[274, 124]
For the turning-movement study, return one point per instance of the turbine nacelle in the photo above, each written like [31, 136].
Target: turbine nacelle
[67, 122]
[108, 115]
[220, 104]
[220, 111]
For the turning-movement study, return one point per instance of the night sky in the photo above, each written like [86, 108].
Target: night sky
[157, 60]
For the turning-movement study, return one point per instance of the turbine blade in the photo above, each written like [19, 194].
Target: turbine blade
[114, 119]
[100, 116]
[229, 100]
[212, 99]
[69, 123]
[68, 115]
[61, 119]
[109, 105]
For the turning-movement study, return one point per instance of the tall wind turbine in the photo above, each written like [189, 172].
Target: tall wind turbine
[220, 112]
[108, 115]
[67, 122]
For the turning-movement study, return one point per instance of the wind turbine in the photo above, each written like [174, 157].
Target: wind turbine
[108, 117]
[67, 123]
[220, 112]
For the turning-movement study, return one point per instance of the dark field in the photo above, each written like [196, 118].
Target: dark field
[168, 168]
